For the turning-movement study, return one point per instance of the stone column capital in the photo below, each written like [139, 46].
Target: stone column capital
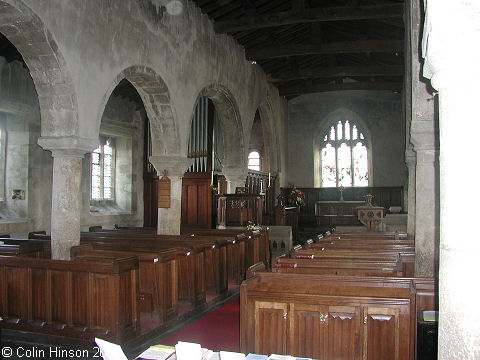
[427, 156]
[68, 146]
[176, 165]
[410, 158]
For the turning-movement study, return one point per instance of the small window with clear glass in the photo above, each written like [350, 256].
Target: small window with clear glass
[102, 170]
[254, 160]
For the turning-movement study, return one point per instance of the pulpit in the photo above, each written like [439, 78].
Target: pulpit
[239, 209]
[287, 216]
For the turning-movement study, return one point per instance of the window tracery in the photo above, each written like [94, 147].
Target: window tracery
[344, 156]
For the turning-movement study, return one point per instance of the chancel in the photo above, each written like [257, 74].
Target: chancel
[159, 159]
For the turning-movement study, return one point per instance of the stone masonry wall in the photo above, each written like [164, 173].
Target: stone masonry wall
[380, 111]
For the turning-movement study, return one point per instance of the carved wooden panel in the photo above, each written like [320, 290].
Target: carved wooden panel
[16, 283]
[60, 292]
[100, 311]
[270, 327]
[40, 305]
[381, 327]
[307, 330]
[343, 336]
[80, 295]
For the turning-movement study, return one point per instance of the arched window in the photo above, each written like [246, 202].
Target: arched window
[254, 160]
[344, 156]
[102, 164]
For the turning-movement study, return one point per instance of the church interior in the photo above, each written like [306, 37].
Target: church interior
[307, 160]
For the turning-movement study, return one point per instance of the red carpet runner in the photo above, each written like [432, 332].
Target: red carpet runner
[218, 330]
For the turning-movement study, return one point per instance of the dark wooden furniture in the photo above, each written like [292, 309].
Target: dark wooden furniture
[158, 277]
[382, 196]
[71, 298]
[197, 200]
[332, 213]
[239, 209]
[329, 317]
[287, 216]
[256, 244]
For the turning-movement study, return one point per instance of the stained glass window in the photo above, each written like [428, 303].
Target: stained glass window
[102, 165]
[254, 160]
[339, 130]
[360, 165]
[344, 157]
[329, 166]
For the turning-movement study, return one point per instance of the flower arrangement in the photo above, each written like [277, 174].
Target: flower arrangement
[296, 197]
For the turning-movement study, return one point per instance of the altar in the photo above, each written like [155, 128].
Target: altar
[332, 213]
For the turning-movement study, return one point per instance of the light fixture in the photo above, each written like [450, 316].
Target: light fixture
[174, 7]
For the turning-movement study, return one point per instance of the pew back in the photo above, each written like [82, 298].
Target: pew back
[70, 298]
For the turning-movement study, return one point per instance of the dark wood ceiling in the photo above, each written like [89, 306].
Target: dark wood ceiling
[308, 46]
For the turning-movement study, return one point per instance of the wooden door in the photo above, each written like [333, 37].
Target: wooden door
[307, 330]
[385, 333]
[271, 327]
[343, 333]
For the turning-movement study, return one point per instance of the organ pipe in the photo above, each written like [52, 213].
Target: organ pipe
[199, 136]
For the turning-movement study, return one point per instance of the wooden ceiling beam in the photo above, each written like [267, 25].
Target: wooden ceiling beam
[345, 47]
[307, 89]
[257, 21]
[337, 71]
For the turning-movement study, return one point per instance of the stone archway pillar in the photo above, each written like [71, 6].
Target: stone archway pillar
[411, 161]
[423, 137]
[452, 57]
[235, 178]
[67, 153]
[426, 213]
[169, 219]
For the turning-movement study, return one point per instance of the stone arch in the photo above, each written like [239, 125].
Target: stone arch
[55, 90]
[230, 123]
[269, 136]
[324, 124]
[156, 100]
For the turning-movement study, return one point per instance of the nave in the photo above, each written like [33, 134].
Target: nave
[340, 296]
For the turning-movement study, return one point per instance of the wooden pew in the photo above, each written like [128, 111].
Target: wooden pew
[190, 262]
[38, 248]
[236, 252]
[23, 250]
[157, 277]
[370, 235]
[357, 253]
[258, 249]
[70, 298]
[328, 317]
[370, 267]
[358, 242]
[215, 250]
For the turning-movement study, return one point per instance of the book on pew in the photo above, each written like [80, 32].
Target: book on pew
[157, 352]
[110, 351]
[228, 355]
[285, 357]
[256, 357]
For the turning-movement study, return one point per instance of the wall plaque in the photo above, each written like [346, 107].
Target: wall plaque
[164, 191]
